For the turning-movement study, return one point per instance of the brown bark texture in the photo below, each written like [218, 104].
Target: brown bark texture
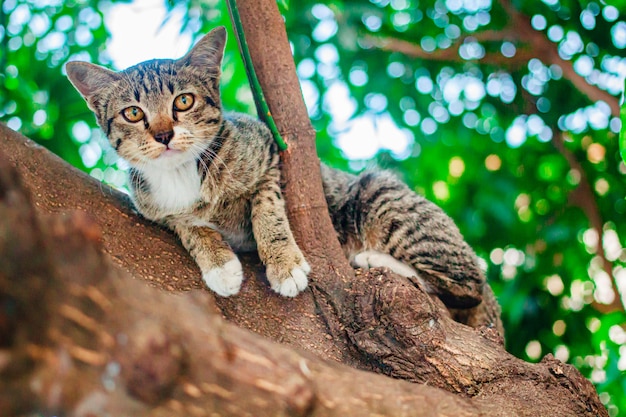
[81, 332]
[103, 313]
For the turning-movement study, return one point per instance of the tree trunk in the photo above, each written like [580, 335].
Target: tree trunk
[81, 333]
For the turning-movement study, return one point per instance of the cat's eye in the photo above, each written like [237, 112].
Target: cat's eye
[133, 114]
[183, 102]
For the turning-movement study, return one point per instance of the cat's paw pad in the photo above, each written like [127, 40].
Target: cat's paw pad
[375, 259]
[289, 283]
[225, 280]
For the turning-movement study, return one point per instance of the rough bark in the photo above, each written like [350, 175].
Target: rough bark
[81, 337]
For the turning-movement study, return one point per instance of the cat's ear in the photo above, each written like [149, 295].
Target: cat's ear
[208, 52]
[89, 79]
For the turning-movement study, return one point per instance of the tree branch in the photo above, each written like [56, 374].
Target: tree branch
[450, 54]
[548, 52]
[90, 341]
[86, 339]
[304, 195]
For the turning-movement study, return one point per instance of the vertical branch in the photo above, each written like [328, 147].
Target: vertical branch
[306, 205]
[259, 98]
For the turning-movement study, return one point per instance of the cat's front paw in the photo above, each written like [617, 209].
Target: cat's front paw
[225, 280]
[288, 282]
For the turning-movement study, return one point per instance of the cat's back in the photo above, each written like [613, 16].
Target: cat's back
[247, 131]
[341, 187]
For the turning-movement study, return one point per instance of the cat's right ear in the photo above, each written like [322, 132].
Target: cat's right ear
[208, 52]
[89, 79]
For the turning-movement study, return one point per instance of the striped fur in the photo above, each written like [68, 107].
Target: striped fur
[375, 213]
[214, 179]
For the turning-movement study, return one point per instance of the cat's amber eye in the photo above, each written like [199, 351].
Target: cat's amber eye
[133, 114]
[183, 102]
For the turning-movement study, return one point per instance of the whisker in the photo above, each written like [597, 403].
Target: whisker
[215, 158]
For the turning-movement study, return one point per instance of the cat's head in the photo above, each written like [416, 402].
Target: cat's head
[159, 113]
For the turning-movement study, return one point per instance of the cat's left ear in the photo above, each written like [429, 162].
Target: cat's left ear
[208, 52]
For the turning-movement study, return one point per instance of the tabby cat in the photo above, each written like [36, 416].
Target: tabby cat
[214, 179]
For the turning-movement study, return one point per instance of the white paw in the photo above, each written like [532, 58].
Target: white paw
[375, 259]
[225, 280]
[291, 284]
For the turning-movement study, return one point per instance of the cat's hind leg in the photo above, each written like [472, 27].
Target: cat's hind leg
[375, 259]
[392, 219]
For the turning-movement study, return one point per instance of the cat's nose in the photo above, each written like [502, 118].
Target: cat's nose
[164, 137]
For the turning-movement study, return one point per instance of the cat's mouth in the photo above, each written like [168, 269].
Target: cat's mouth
[170, 152]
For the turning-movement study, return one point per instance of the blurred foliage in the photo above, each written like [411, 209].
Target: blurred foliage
[510, 125]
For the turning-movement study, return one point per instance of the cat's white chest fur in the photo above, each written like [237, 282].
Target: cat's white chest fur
[174, 190]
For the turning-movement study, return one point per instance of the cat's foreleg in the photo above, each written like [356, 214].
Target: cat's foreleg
[286, 268]
[221, 269]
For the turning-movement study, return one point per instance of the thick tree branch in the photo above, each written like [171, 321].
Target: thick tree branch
[86, 339]
[92, 341]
